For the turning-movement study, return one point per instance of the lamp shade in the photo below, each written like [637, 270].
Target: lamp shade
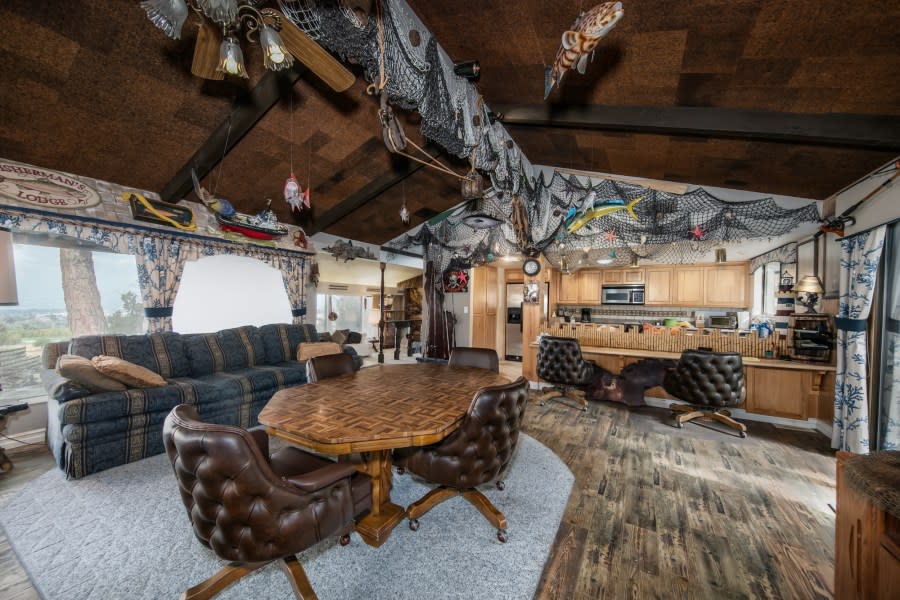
[231, 58]
[809, 284]
[275, 55]
[168, 15]
[9, 295]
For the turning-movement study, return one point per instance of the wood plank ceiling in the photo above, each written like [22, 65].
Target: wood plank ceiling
[94, 89]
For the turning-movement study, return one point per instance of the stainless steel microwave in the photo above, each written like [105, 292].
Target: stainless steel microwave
[622, 294]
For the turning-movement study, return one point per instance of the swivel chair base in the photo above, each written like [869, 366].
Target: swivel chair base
[475, 498]
[564, 392]
[690, 412]
[234, 571]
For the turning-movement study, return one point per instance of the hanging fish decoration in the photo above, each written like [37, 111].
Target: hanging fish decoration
[587, 31]
[404, 213]
[293, 193]
[589, 212]
[481, 221]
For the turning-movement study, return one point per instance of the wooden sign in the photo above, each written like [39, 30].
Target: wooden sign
[44, 188]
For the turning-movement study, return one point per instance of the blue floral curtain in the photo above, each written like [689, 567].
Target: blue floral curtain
[160, 264]
[860, 256]
[293, 275]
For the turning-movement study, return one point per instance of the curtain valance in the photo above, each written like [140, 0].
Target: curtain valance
[786, 255]
[160, 256]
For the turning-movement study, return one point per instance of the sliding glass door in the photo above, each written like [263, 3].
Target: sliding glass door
[888, 410]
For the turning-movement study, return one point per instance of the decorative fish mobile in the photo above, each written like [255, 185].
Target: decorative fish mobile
[218, 205]
[576, 219]
[589, 28]
[481, 221]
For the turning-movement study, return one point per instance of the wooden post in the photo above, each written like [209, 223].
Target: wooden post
[381, 319]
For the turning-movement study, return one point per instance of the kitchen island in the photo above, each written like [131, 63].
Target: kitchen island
[791, 392]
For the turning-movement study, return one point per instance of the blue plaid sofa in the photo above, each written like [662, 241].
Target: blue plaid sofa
[228, 376]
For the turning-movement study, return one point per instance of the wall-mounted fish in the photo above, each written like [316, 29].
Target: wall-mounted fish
[481, 221]
[575, 221]
[589, 28]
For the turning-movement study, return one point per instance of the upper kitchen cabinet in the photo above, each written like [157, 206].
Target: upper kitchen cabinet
[726, 286]
[688, 288]
[659, 282]
[589, 287]
[622, 276]
[568, 288]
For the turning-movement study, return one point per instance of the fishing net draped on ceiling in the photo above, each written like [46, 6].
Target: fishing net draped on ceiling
[522, 212]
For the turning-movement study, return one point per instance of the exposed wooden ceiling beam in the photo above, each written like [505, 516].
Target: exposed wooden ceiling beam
[248, 109]
[370, 191]
[880, 132]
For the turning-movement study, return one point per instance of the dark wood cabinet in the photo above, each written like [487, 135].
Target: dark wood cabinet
[867, 544]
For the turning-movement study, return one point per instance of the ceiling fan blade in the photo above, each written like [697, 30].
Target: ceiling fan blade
[206, 51]
[315, 57]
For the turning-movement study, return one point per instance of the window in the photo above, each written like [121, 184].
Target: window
[43, 316]
[218, 292]
[766, 280]
[335, 312]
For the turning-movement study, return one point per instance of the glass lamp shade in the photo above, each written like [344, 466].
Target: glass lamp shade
[809, 284]
[168, 15]
[231, 58]
[275, 55]
[222, 12]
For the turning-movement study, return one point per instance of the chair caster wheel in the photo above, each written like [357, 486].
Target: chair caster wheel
[540, 403]
[345, 539]
[414, 524]
[500, 485]
[501, 536]
[743, 434]
[584, 409]
[401, 470]
[679, 424]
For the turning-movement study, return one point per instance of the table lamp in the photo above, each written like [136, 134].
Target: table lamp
[810, 287]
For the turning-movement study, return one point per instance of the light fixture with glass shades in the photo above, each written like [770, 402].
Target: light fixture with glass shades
[808, 289]
[233, 17]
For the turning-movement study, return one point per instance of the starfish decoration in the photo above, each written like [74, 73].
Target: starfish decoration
[610, 236]
[697, 233]
[568, 189]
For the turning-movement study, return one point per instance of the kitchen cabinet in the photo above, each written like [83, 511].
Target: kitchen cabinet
[786, 391]
[589, 287]
[659, 282]
[867, 538]
[568, 289]
[484, 307]
[688, 288]
[726, 286]
[623, 276]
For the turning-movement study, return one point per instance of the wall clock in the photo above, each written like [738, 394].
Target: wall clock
[531, 267]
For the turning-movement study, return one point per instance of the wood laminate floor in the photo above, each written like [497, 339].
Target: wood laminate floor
[655, 512]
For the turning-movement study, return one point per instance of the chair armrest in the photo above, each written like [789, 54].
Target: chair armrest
[320, 478]
[261, 438]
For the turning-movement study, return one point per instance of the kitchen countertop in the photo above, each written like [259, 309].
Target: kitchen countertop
[749, 361]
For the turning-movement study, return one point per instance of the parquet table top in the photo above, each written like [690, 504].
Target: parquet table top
[376, 408]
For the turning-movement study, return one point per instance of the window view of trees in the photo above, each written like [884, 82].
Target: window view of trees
[63, 293]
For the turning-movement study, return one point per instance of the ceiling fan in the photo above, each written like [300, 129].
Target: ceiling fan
[217, 51]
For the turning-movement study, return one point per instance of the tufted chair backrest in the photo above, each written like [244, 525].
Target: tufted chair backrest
[237, 505]
[484, 444]
[480, 358]
[329, 365]
[707, 378]
[560, 361]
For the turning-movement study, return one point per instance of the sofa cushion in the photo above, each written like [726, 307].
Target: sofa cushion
[81, 371]
[162, 353]
[340, 336]
[281, 340]
[130, 374]
[311, 349]
[225, 350]
[354, 337]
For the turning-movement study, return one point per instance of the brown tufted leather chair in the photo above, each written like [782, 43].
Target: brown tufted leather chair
[476, 453]
[250, 508]
[560, 362]
[480, 358]
[710, 380]
[329, 365]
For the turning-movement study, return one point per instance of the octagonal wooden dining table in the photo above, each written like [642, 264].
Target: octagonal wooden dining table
[373, 411]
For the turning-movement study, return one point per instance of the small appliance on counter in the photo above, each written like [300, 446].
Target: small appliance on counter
[585, 315]
[728, 321]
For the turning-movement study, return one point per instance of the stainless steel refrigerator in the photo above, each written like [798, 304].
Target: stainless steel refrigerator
[514, 298]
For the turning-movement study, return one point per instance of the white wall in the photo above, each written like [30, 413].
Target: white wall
[880, 208]
[218, 292]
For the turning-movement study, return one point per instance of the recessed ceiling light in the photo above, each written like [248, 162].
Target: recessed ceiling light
[604, 261]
